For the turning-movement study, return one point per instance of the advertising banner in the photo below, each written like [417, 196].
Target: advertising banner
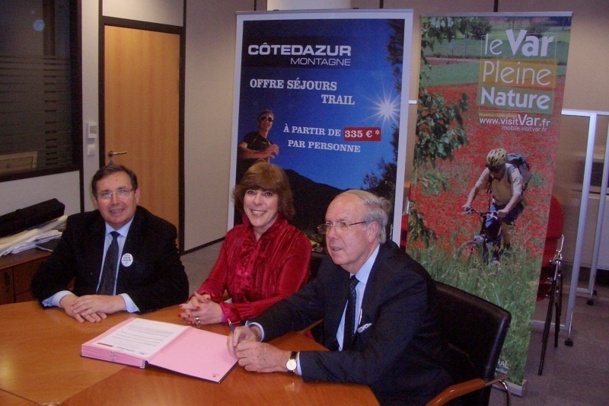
[490, 99]
[324, 94]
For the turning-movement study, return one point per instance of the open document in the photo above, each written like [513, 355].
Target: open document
[182, 349]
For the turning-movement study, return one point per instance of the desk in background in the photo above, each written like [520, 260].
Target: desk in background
[40, 362]
[16, 272]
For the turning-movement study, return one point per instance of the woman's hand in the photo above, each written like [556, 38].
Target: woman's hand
[200, 309]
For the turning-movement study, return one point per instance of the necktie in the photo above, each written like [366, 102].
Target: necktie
[106, 286]
[350, 315]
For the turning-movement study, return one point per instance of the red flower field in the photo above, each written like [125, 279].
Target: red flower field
[443, 213]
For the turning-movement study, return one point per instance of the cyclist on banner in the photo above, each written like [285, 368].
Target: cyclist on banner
[505, 183]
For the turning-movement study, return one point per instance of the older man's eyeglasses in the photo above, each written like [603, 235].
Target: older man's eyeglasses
[267, 118]
[340, 226]
[121, 193]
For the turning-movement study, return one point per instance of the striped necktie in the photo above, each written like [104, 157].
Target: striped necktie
[350, 315]
[108, 279]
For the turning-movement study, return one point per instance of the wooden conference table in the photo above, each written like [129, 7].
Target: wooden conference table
[40, 363]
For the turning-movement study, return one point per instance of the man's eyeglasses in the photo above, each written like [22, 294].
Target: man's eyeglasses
[121, 193]
[340, 227]
[267, 118]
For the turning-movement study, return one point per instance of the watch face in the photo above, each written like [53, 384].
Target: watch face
[291, 364]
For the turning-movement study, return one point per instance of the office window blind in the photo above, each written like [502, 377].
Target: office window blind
[37, 103]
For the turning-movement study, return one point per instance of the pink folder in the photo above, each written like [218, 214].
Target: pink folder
[182, 349]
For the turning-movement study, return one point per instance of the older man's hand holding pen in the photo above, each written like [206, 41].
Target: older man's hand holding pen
[244, 343]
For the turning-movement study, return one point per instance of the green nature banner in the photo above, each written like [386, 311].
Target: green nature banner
[487, 81]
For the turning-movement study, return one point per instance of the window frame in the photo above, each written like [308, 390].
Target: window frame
[76, 121]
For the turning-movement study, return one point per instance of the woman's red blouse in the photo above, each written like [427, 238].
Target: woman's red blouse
[257, 274]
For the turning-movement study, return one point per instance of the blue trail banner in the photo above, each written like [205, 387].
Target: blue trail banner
[324, 95]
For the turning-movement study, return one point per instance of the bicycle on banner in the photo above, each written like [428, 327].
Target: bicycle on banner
[487, 245]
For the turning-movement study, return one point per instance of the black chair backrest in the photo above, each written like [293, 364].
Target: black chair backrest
[475, 329]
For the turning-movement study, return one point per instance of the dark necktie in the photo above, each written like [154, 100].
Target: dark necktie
[350, 314]
[106, 286]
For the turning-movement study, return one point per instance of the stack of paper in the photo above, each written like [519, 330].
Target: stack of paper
[28, 239]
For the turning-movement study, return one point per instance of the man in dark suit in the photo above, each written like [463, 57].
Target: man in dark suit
[145, 272]
[397, 348]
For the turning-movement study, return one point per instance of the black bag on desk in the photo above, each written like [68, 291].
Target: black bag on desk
[22, 219]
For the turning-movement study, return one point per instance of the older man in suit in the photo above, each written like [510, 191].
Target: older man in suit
[388, 338]
[141, 268]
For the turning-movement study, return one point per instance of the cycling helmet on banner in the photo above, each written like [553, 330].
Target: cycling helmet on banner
[496, 158]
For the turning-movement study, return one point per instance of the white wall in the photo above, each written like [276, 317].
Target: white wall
[210, 56]
[90, 93]
[307, 4]
[27, 192]
[169, 12]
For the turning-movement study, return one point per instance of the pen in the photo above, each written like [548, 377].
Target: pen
[231, 326]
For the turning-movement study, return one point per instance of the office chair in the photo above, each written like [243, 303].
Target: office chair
[475, 330]
[550, 280]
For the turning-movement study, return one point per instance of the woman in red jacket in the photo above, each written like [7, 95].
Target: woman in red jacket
[263, 260]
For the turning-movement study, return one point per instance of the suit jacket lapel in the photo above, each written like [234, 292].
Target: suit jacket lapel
[133, 241]
[368, 303]
[371, 285]
[93, 247]
[133, 244]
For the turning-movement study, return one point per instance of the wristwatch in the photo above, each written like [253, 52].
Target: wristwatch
[292, 364]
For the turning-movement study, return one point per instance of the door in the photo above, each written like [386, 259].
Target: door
[141, 112]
